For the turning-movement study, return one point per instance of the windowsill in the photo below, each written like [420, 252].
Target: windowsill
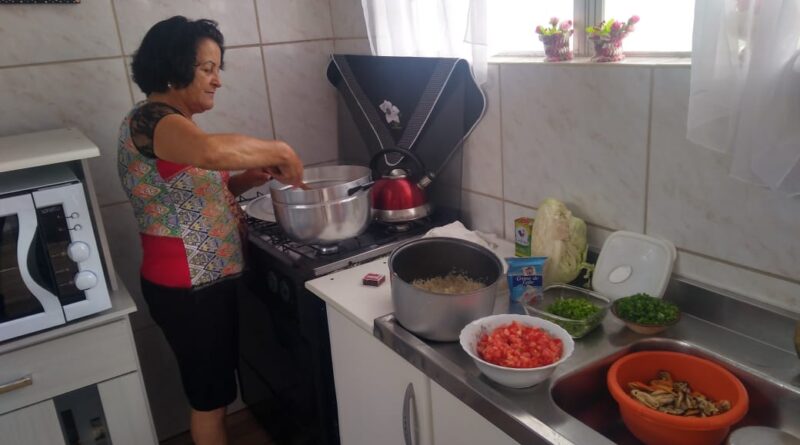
[581, 61]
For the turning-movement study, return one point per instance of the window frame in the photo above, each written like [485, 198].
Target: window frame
[590, 12]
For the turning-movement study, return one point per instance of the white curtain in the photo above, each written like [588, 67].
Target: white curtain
[745, 88]
[429, 28]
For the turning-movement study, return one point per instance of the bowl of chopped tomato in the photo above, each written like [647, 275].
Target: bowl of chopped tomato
[516, 350]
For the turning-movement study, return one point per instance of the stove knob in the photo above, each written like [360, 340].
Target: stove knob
[285, 291]
[78, 251]
[85, 280]
[272, 282]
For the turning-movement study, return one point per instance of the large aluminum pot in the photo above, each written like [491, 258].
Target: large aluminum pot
[332, 210]
[438, 316]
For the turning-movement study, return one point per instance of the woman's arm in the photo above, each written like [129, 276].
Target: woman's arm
[177, 139]
[244, 181]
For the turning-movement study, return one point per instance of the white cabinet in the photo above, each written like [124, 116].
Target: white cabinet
[76, 384]
[455, 423]
[382, 399]
[35, 424]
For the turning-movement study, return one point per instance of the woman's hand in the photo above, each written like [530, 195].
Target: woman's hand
[289, 168]
[253, 177]
[244, 181]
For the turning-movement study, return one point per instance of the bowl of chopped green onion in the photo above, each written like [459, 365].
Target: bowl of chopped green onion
[646, 315]
[576, 310]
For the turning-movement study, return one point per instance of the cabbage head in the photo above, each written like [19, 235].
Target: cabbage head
[560, 237]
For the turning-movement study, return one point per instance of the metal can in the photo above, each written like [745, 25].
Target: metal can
[522, 236]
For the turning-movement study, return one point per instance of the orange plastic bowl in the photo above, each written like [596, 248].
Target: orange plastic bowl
[656, 428]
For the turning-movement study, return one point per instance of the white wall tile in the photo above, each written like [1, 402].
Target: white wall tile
[759, 287]
[695, 204]
[352, 46]
[578, 134]
[126, 251]
[236, 18]
[290, 21]
[45, 33]
[241, 105]
[348, 19]
[303, 103]
[482, 151]
[482, 213]
[91, 95]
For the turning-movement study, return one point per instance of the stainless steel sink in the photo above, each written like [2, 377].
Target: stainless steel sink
[583, 393]
[574, 406]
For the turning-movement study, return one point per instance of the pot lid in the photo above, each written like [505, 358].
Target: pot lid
[631, 263]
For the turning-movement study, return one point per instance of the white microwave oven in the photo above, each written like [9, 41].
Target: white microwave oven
[51, 270]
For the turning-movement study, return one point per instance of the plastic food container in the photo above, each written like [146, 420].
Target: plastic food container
[513, 377]
[630, 263]
[575, 328]
[656, 428]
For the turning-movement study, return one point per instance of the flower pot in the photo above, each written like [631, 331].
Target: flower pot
[556, 47]
[608, 51]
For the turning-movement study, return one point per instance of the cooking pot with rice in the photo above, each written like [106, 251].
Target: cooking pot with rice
[439, 285]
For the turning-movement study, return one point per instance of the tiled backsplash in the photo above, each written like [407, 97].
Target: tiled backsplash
[610, 141]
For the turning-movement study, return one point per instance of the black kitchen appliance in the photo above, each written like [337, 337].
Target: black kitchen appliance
[285, 367]
[427, 105]
[285, 373]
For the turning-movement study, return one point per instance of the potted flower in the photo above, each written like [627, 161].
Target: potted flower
[607, 38]
[556, 40]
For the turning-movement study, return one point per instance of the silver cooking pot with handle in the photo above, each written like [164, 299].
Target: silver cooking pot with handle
[334, 208]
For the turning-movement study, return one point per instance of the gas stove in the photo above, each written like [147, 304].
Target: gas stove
[379, 239]
[285, 367]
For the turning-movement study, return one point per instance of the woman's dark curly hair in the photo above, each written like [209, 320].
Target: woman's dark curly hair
[168, 53]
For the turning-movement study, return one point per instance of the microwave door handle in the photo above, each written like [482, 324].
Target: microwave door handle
[27, 232]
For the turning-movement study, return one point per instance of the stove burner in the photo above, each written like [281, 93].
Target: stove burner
[398, 227]
[327, 250]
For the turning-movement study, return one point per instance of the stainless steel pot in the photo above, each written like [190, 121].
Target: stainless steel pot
[437, 316]
[327, 213]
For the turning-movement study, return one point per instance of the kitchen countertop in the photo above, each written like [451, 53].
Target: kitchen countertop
[36, 149]
[531, 415]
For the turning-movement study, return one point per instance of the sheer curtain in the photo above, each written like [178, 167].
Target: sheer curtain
[745, 88]
[429, 28]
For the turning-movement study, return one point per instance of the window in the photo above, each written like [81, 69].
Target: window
[665, 27]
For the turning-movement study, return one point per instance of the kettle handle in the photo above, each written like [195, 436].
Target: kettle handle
[427, 177]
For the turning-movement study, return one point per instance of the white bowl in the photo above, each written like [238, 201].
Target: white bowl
[513, 377]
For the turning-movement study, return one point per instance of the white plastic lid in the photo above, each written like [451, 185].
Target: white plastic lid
[631, 263]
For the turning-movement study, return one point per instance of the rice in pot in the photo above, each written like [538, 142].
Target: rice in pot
[452, 284]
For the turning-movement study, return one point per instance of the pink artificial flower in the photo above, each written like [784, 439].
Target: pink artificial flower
[630, 28]
[633, 19]
[616, 26]
[554, 21]
[539, 30]
[565, 26]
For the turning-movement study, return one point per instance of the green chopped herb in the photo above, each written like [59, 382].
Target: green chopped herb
[573, 308]
[644, 309]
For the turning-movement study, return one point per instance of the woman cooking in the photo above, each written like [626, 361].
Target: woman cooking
[176, 178]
